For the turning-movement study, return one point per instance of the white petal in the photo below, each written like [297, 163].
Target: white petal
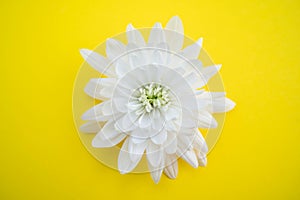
[157, 35]
[170, 126]
[160, 137]
[114, 48]
[156, 175]
[127, 122]
[195, 80]
[145, 120]
[97, 61]
[192, 51]
[91, 127]
[191, 158]
[137, 140]
[154, 154]
[100, 88]
[206, 120]
[108, 136]
[208, 72]
[156, 171]
[187, 66]
[184, 142]
[136, 59]
[100, 112]
[156, 120]
[171, 166]
[136, 150]
[125, 163]
[189, 119]
[171, 143]
[199, 142]
[120, 103]
[220, 105]
[171, 113]
[134, 36]
[202, 160]
[122, 68]
[139, 134]
[174, 34]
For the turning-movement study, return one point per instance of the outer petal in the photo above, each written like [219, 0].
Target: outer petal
[108, 136]
[100, 112]
[191, 158]
[206, 120]
[154, 154]
[100, 88]
[208, 72]
[174, 34]
[97, 61]
[136, 150]
[114, 48]
[202, 160]
[215, 102]
[221, 105]
[192, 51]
[134, 36]
[157, 35]
[156, 171]
[171, 143]
[125, 162]
[91, 127]
[171, 166]
[199, 142]
[195, 80]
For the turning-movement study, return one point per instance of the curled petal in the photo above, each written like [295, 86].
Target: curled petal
[171, 166]
[191, 158]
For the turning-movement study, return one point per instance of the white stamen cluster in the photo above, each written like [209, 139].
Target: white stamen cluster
[153, 96]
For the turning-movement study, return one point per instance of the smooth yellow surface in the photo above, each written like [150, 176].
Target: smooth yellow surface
[258, 155]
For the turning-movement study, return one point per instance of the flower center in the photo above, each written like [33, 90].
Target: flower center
[153, 96]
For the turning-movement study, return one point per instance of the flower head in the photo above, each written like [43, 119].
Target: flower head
[151, 99]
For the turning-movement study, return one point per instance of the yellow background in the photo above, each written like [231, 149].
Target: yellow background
[258, 155]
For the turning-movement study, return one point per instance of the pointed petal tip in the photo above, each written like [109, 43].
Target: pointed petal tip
[200, 41]
[176, 18]
[191, 158]
[203, 163]
[214, 123]
[84, 52]
[202, 160]
[130, 27]
[230, 104]
[218, 66]
[94, 143]
[157, 25]
[156, 179]
[122, 172]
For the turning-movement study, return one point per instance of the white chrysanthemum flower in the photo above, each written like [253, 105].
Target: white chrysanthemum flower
[151, 99]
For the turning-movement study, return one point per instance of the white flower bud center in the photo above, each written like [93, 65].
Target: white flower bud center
[153, 96]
